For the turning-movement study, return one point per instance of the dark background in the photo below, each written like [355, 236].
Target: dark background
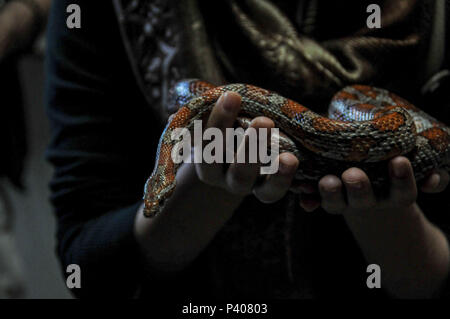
[34, 222]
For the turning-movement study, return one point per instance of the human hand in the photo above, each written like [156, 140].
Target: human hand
[353, 192]
[175, 237]
[392, 232]
[241, 178]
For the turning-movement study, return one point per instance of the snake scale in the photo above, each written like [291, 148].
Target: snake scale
[365, 127]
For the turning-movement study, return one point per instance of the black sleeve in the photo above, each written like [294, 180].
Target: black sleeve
[103, 137]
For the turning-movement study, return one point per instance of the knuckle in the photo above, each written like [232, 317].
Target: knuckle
[206, 175]
[406, 198]
[205, 179]
[238, 182]
[278, 186]
[331, 208]
[362, 203]
[445, 178]
[287, 171]
[361, 198]
[267, 197]
[329, 191]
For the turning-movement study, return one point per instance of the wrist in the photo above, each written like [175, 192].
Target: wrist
[386, 219]
[188, 222]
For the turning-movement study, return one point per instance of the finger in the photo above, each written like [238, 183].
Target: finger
[243, 173]
[309, 202]
[222, 116]
[303, 188]
[224, 113]
[436, 182]
[332, 196]
[403, 190]
[309, 197]
[359, 190]
[275, 186]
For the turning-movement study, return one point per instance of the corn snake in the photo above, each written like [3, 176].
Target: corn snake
[365, 127]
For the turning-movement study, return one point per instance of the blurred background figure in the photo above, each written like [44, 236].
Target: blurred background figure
[22, 23]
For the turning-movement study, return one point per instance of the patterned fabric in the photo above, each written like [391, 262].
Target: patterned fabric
[152, 38]
[298, 55]
[321, 47]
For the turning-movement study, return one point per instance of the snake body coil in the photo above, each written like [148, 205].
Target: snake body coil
[365, 127]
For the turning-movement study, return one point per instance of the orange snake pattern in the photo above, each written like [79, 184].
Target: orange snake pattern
[365, 127]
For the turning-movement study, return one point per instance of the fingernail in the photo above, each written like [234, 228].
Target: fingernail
[284, 169]
[400, 171]
[220, 100]
[308, 205]
[355, 184]
[308, 210]
[304, 207]
[308, 189]
[225, 99]
[332, 189]
[436, 180]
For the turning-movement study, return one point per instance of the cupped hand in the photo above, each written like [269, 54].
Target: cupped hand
[353, 193]
[245, 178]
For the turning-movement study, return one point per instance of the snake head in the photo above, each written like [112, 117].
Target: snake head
[154, 201]
[151, 208]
